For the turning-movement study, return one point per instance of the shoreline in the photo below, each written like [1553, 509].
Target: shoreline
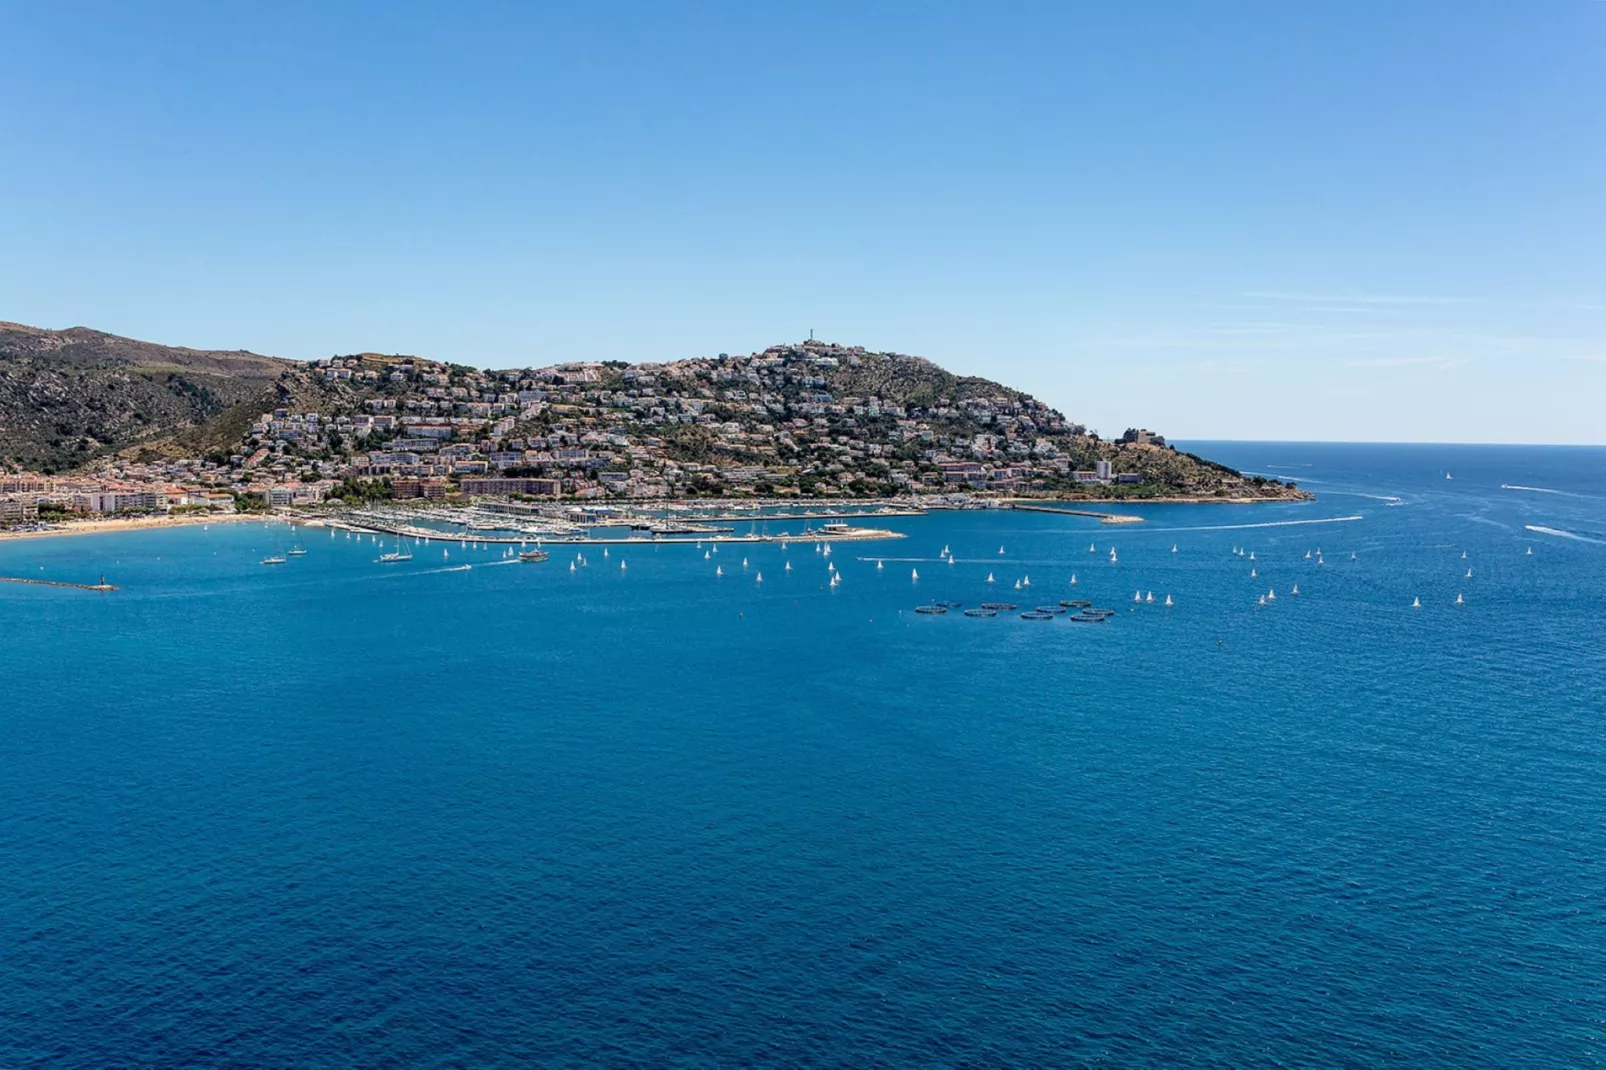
[1068, 506]
[104, 527]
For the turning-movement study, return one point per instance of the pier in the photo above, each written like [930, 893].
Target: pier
[101, 586]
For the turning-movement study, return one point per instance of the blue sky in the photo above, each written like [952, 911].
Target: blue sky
[1376, 221]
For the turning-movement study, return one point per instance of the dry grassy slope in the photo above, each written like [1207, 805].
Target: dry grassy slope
[68, 396]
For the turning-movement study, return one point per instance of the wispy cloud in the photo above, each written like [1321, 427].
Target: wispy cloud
[1437, 363]
[1354, 300]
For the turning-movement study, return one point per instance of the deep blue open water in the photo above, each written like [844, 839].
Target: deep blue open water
[338, 814]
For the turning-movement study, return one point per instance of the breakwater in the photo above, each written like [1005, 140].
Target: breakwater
[101, 586]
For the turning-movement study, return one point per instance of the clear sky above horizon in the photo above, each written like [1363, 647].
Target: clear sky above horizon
[1225, 220]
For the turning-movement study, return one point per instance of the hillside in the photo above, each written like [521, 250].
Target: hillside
[69, 396]
[812, 419]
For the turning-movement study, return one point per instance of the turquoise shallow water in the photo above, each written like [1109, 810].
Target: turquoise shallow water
[338, 814]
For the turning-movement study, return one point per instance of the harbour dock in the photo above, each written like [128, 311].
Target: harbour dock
[410, 531]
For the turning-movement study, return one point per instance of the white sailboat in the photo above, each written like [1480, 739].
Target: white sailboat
[879, 565]
[1460, 601]
[1253, 574]
[1137, 596]
[758, 577]
[719, 570]
[914, 574]
[1073, 579]
[395, 555]
[1150, 598]
[1026, 581]
[1000, 549]
[1530, 551]
[989, 577]
[787, 567]
[1295, 590]
[1469, 574]
[744, 562]
[1017, 585]
[1173, 547]
[1271, 596]
[1092, 549]
[1168, 601]
[1251, 555]
[621, 566]
[1416, 603]
[1307, 555]
[1113, 558]
[571, 566]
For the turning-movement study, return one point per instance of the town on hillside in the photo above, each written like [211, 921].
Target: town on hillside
[807, 420]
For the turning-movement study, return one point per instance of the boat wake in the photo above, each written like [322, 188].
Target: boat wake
[1560, 534]
[1545, 490]
[433, 571]
[1268, 524]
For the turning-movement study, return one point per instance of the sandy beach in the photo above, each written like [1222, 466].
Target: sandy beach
[102, 527]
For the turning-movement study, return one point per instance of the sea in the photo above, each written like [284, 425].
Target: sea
[634, 813]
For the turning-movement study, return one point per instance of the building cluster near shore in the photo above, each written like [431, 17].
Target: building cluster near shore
[807, 420]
